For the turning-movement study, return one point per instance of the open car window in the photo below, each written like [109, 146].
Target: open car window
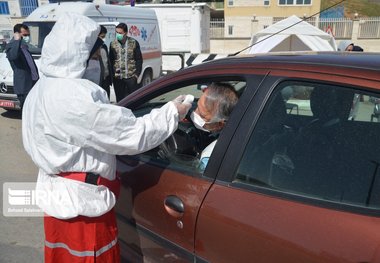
[182, 151]
[162, 99]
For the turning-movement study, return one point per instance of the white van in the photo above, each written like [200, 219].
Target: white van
[142, 25]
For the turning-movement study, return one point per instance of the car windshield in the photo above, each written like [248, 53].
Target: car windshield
[5, 37]
[38, 32]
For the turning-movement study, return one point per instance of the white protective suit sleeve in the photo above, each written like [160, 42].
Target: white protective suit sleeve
[110, 128]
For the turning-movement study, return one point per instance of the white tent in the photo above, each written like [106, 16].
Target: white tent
[300, 37]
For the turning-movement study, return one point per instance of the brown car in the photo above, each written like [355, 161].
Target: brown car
[292, 178]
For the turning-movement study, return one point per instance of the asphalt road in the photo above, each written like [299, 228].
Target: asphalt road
[21, 238]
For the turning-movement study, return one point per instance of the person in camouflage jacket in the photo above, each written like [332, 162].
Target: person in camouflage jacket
[126, 60]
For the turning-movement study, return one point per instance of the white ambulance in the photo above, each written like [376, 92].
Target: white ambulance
[142, 25]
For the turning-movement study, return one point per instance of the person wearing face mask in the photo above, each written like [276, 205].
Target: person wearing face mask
[126, 60]
[72, 133]
[213, 110]
[25, 72]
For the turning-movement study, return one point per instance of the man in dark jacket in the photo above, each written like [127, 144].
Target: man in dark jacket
[25, 72]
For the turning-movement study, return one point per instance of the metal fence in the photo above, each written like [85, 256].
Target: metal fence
[369, 28]
[217, 28]
[340, 28]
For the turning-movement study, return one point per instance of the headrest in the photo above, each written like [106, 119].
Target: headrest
[329, 102]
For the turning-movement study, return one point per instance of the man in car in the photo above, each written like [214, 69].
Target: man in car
[212, 112]
[73, 133]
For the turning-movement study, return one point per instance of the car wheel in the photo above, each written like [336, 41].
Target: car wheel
[146, 79]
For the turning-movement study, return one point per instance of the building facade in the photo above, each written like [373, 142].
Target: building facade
[240, 15]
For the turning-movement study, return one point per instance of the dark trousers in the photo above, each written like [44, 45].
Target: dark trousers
[105, 84]
[22, 97]
[124, 87]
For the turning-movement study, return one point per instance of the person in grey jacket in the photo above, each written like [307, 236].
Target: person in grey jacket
[25, 72]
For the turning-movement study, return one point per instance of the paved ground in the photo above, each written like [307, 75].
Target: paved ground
[21, 238]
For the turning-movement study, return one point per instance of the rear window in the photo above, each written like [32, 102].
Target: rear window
[318, 141]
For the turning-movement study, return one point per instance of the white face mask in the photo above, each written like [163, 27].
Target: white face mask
[26, 39]
[198, 121]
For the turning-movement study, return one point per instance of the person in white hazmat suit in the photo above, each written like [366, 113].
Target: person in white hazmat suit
[73, 133]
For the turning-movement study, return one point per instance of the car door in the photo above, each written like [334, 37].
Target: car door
[160, 197]
[299, 181]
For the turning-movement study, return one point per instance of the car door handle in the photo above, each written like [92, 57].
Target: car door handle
[174, 206]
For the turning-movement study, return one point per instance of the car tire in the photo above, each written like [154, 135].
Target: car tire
[146, 79]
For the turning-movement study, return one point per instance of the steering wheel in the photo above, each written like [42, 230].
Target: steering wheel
[180, 147]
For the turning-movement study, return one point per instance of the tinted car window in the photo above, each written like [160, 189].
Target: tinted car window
[316, 141]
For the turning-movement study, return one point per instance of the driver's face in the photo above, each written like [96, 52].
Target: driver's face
[207, 114]
[203, 111]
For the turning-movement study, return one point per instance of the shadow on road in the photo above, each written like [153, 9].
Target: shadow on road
[12, 114]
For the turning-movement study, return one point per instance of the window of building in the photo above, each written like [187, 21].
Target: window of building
[4, 8]
[294, 2]
[230, 30]
[248, 3]
[28, 6]
[303, 2]
[317, 141]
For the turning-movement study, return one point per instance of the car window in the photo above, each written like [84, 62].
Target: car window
[318, 141]
[297, 102]
[188, 149]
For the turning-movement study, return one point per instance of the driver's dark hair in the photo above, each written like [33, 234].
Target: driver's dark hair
[221, 99]
[17, 28]
[123, 26]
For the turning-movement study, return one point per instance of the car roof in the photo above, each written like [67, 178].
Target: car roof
[363, 65]
[355, 60]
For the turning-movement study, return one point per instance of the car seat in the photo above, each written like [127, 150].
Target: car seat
[314, 150]
[270, 137]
